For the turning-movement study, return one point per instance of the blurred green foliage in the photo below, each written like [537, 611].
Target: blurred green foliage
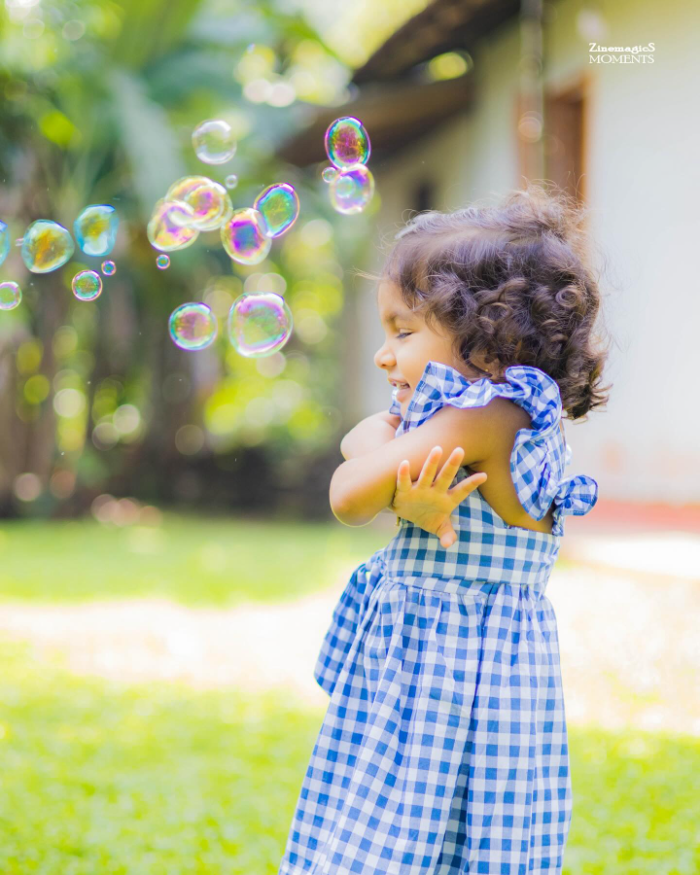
[99, 100]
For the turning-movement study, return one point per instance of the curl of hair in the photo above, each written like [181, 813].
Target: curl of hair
[511, 283]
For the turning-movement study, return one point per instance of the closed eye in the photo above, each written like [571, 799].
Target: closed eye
[404, 334]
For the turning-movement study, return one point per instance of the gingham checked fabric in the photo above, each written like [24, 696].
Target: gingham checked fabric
[444, 747]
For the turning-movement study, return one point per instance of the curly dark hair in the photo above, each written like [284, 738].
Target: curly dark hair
[512, 283]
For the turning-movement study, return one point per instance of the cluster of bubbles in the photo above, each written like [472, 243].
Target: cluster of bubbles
[258, 324]
[351, 184]
[47, 246]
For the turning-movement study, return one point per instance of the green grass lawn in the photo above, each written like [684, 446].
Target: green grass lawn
[196, 561]
[161, 780]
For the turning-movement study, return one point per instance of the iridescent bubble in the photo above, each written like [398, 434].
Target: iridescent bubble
[46, 246]
[347, 142]
[259, 323]
[163, 262]
[279, 206]
[208, 200]
[109, 268]
[352, 189]
[244, 237]
[87, 285]
[193, 326]
[96, 229]
[329, 174]
[171, 226]
[10, 295]
[4, 241]
[231, 180]
[214, 142]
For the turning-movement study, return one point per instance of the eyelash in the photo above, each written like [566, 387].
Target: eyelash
[404, 334]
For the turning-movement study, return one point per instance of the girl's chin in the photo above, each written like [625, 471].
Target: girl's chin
[403, 394]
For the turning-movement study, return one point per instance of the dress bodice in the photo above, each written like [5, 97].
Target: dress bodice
[486, 543]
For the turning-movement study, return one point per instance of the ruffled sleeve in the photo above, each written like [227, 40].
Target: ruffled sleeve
[539, 454]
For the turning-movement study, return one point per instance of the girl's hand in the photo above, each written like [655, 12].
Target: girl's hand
[429, 504]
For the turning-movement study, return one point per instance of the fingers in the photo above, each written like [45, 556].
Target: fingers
[449, 469]
[403, 479]
[427, 474]
[446, 533]
[467, 486]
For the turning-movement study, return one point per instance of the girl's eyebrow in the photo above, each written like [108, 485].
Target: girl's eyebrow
[394, 315]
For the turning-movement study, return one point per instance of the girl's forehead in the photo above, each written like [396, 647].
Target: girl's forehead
[391, 303]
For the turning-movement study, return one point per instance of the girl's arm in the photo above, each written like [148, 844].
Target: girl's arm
[369, 434]
[361, 487]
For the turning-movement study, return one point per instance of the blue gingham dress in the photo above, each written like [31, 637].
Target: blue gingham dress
[444, 747]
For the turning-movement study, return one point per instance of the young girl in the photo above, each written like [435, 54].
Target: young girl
[444, 747]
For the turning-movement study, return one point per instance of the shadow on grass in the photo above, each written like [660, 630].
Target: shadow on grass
[195, 561]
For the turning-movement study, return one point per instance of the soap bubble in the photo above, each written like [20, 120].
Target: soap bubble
[193, 326]
[208, 200]
[46, 246]
[244, 237]
[279, 207]
[4, 241]
[329, 174]
[213, 142]
[352, 189]
[109, 268]
[231, 180]
[87, 285]
[259, 323]
[347, 142]
[96, 229]
[171, 226]
[163, 262]
[10, 295]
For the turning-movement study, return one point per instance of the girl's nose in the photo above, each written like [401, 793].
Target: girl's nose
[383, 358]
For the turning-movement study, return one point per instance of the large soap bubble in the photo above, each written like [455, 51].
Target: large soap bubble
[87, 285]
[208, 200]
[193, 326]
[96, 229]
[347, 142]
[46, 246]
[352, 189]
[244, 237]
[4, 241]
[10, 295]
[172, 226]
[279, 206]
[214, 142]
[259, 323]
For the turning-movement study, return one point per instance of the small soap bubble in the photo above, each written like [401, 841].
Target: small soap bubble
[193, 326]
[352, 190]
[172, 226]
[10, 295]
[208, 200]
[244, 237]
[214, 142]
[231, 180]
[329, 174]
[259, 324]
[109, 268]
[163, 262]
[87, 285]
[279, 206]
[4, 241]
[347, 142]
[46, 246]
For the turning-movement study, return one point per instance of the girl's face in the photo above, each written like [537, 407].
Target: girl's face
[409, 344]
